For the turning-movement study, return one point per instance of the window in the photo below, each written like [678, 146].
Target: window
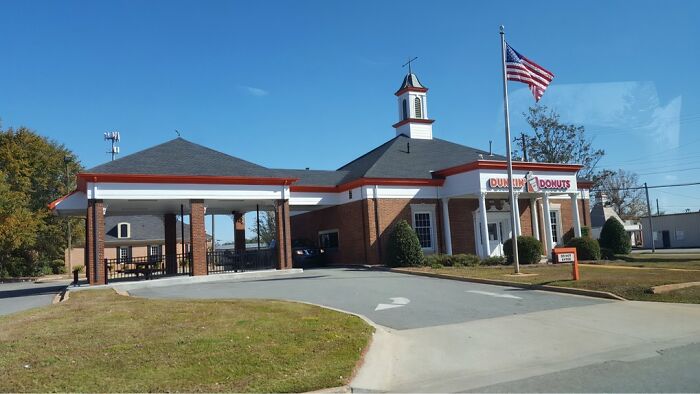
[418, 108]
[123, 230]
[554, 217]
[422, 223]
[405, 110]
[328, 239]
[124, 253]
[349, 194]
[154, 250]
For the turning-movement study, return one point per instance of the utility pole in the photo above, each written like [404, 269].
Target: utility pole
[69, 232]
[651, 223]
[524, 144]
[657, 207]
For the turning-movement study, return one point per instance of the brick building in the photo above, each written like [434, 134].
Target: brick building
[454, 196]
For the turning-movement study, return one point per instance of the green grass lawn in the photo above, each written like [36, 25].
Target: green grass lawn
[628, 283]
[660, 260]
[98, 341]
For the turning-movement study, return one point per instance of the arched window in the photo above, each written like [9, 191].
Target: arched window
[418, 108]
[405, 110]
[124, 230]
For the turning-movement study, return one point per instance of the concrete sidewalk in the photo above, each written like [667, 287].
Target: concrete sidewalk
[481, 353]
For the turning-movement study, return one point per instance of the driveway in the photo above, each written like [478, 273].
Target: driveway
[438, 335]
[19, 296]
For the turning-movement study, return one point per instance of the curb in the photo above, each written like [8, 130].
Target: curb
[62, 296]
[555, 289]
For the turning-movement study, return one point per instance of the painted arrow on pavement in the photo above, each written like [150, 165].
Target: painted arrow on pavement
[396, 302]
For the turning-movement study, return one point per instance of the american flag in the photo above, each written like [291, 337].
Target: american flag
[521, 69]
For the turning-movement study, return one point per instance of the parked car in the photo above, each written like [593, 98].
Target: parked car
[305, 254]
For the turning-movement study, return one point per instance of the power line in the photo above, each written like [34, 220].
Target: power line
[651, 187]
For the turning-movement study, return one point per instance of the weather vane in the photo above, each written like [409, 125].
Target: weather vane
[408, 63]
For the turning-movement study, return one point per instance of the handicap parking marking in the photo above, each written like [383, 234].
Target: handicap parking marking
[497, 295]
[396, 302]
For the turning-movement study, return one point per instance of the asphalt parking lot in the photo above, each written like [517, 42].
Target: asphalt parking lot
[389, 299]
[19, 296]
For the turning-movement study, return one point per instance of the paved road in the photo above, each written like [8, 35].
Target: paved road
[449, 336]
[19, 296]
[432, 302]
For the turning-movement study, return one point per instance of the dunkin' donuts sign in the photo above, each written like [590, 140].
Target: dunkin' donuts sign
[532, 183]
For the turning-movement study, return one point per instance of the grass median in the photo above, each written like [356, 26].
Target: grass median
[630, 283]
[98, 341]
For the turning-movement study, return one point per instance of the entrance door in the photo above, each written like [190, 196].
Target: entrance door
[499, 232]
[666, 237]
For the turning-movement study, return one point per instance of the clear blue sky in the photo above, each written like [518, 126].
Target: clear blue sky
[311, 83]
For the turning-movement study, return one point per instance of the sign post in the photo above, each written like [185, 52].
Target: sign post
[567, 255]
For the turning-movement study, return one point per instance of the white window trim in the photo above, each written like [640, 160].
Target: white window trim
[119, 230]
[120, 253]
[335, 230]
[556, 209]
[430, 210]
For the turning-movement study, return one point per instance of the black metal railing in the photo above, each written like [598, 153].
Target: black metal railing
[220, 261]
[148, 267]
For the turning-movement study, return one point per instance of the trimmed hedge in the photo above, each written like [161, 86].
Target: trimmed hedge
[495, 260]
[607, 254]
[586, 248]
[614, 237]
[404, 247]
[529, 250]
[457, 260]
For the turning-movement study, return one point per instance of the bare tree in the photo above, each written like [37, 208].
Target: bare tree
[268, 227]
[621, 189]
[557, 142]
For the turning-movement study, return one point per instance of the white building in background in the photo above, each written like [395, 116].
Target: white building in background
[602, 211]
[675, 230]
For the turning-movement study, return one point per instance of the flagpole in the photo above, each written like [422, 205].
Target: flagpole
[511, 193]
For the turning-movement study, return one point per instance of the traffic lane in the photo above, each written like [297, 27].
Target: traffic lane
[671, 370]
[394, 300]
[19, 296]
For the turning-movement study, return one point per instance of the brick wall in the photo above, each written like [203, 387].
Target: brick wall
[95, 211]
[284, 236]
[350, 221]
[462, 224]
[198, 238]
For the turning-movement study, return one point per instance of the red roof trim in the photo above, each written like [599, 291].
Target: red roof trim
[368, 181]
[413, 120]
[502, 165]
[410, 89]
[195, 179]
[52, 205]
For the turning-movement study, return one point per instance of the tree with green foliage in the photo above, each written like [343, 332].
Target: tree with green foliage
[268, 228]
[587, 248]
[34, 171]
[404, 246]
[614, 237]
[557, 142]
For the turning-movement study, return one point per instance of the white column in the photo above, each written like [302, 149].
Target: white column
[516, 210]
[446, 226]
[484, 225]
[547, 224]
[574, 210]
[535, 221]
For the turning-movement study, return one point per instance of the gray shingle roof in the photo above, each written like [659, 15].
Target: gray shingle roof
[411, 81]
[142, 228]
[182, 157]
[314, 177]
[396, 159]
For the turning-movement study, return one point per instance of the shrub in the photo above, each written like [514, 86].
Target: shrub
[586, 248]
[607, 254]
[436, 266]
[529, 250]
[614, 237]
[433, 259]
[465, 260]
[585, 231]
[495, 260]
[404, 246]
[78, 268]
[58, 266]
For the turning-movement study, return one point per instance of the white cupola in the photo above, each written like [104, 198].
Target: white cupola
[413, 109]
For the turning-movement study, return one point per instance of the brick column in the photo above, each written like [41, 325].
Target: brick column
[95, 248]
[170, 225]
[284, 236]
[198, 238]
[239, 232]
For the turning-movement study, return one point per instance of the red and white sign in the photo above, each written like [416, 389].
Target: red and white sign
[533, 185]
